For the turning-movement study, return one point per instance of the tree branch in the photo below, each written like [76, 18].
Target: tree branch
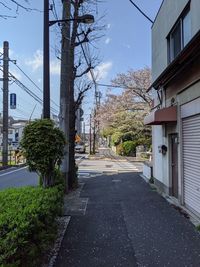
[84, 72]
[85, 39]
[80, 97]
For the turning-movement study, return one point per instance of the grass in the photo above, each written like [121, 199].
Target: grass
[198, 227]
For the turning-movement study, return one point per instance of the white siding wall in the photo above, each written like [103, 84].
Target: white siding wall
[166, 18]
[157, 140]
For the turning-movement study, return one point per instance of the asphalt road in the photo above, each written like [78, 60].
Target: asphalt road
[17, 177]
[126, 224]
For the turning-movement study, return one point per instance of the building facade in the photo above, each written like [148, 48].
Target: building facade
[175, 116]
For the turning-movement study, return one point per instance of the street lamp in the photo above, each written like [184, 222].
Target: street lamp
[87, 18]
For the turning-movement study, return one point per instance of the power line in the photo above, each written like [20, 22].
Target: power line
[118, 86]
[91, 71]
[139, 9]
[55, 12]
[22, 112]
[28, 77]
[27, 90]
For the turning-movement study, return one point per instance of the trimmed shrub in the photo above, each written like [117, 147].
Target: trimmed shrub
[43, 146]
[27, 224]
[129, 148]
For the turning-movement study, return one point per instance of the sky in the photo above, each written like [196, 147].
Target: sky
[126, 45]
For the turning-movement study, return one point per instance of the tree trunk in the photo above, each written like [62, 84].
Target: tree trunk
[72, 165]
[72, 182]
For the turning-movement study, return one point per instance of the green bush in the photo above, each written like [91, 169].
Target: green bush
[129, 136]
[129, 148]
[27, 224]
[146, 141]
[43, 146]
[198, 227]
[120, 149]
[116, 138]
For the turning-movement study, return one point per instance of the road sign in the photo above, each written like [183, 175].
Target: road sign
[13, 99]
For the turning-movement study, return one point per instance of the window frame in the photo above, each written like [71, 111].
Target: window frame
[170, 48]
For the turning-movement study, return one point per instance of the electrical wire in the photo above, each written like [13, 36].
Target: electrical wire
[118, 86]
[27, 90]
[55, 12]
[139, 9]
[91, 71]
[28, 77]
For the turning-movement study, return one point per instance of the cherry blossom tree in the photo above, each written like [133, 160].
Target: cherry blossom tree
[122, 115]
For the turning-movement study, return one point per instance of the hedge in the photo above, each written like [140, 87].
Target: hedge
[129, 148]
[27, 224]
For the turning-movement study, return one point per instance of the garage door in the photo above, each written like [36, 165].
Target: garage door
[191, 162]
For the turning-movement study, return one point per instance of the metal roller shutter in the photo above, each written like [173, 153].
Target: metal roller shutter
[191, 162]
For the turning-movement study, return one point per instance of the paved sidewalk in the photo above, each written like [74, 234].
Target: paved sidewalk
[127, 224]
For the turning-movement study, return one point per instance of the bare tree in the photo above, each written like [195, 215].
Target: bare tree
[14, 5]
[81, 64]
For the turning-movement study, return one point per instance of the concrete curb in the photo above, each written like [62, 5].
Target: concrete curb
[15, 166]
[57, 245]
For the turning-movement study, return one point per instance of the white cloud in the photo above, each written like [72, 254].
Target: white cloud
[102, 70]
[55, 67]
[108, 26]
[37, 61]
[107, 41]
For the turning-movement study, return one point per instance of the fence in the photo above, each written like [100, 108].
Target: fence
[15, 157]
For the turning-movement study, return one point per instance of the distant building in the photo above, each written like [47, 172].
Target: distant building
[15, 131]
[176, 113]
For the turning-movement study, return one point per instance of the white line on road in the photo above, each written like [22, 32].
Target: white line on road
[13, 171]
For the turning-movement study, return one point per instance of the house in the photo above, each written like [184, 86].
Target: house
[175, 116]
[15, 131]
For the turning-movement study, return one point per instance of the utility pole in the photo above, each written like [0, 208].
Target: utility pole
[94, 133]
[90, 134]
[46, 76]
[84, 132]
[65, 87]
[5, 102]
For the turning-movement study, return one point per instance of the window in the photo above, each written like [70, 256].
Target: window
[179, 36]
[186, 28]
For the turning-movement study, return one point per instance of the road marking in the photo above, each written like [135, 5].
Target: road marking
[13, 171]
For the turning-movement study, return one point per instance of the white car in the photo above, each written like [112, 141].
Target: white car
[79, 148]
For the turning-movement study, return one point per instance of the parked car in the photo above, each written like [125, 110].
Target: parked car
[80, 148]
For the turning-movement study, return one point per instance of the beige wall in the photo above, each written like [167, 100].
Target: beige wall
[166, 18]
[190, 75]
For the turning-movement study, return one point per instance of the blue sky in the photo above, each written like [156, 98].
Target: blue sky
[126, 45]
